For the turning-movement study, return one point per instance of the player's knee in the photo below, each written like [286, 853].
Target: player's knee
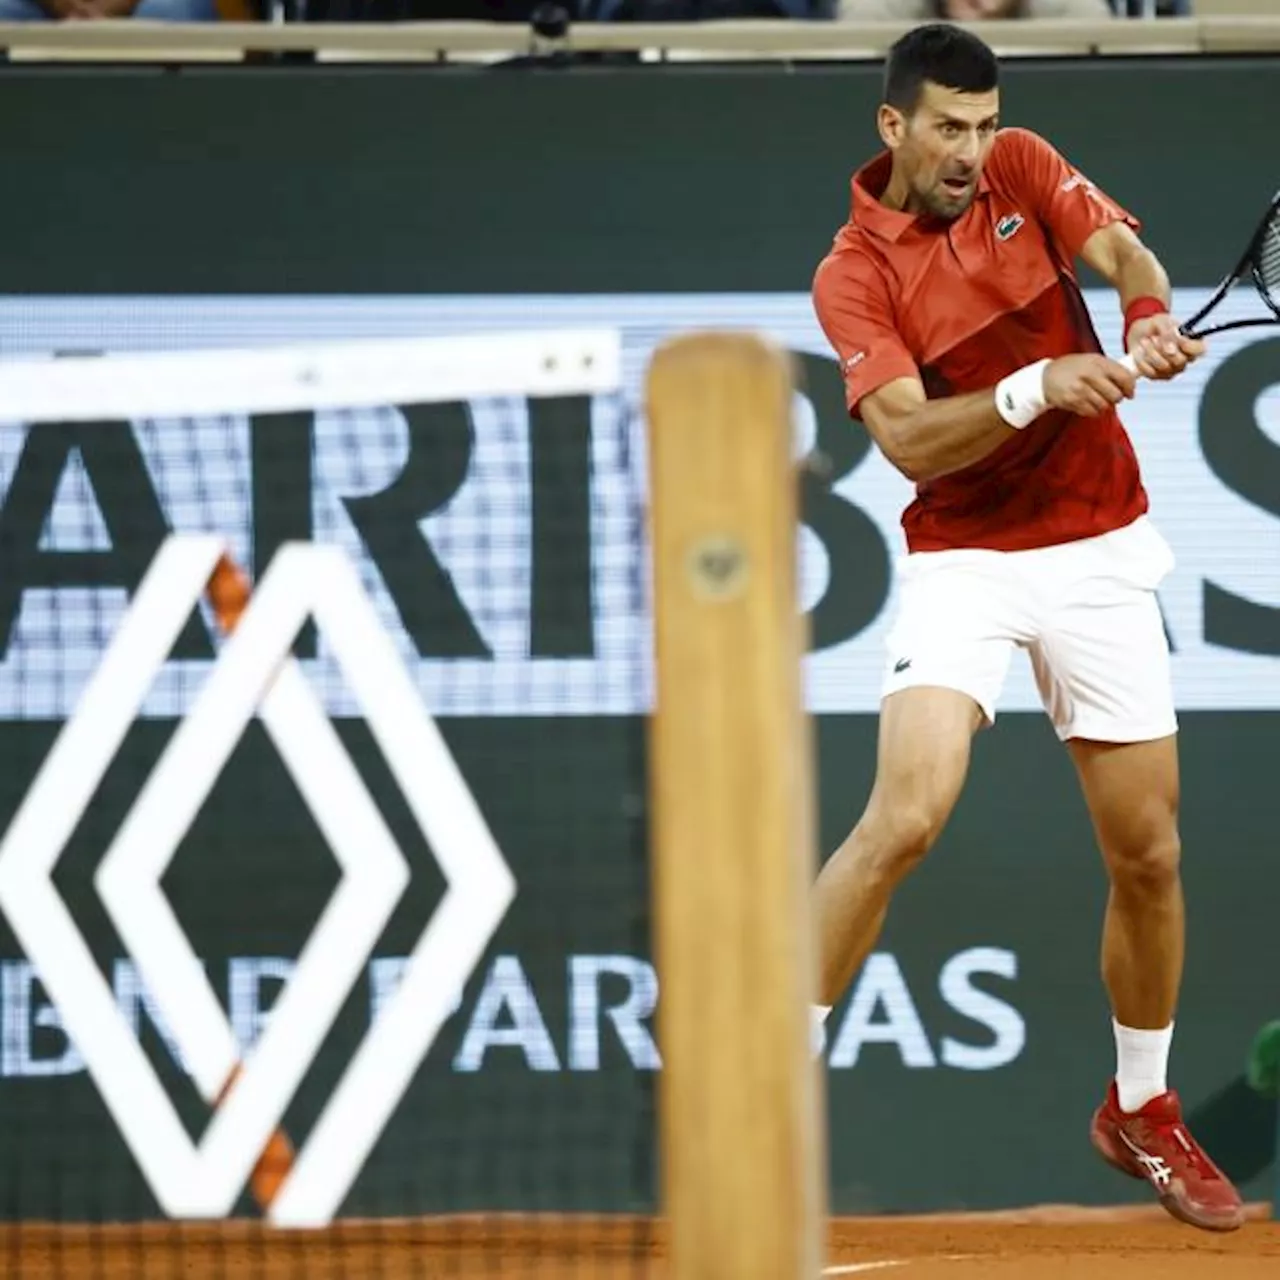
[904, 833]
[1149, 865]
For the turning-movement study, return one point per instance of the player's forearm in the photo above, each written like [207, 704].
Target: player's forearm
[1126, 264]
[947, 435]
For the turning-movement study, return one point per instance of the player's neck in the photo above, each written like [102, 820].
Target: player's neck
[897, 194]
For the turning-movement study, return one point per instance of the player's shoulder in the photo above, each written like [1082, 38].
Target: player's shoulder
[854, 261]
[1017, 140]
[1016, 151]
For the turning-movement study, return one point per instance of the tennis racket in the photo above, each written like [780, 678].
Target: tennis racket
[1260, 266]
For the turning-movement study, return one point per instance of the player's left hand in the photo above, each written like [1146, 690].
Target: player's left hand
[1159, 350]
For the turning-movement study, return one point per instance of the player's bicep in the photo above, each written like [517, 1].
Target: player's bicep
[1109, 248]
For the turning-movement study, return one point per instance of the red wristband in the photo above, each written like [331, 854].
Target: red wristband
[1140, 309]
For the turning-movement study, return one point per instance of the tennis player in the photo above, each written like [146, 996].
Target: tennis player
[951, 301]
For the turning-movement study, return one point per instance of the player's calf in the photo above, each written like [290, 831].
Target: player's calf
[1143, 931]
[1132, 793]
[858, 881]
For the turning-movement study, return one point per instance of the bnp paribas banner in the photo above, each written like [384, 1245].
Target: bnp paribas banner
[487, 550]
[499, 541]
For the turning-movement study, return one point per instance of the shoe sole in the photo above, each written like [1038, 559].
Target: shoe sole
[1170, 1204]
[1183, 1214]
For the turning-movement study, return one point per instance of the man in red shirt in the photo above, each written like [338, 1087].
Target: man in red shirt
[951, 301]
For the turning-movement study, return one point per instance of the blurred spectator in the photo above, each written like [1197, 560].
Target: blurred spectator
[704, 10]
[523, 11]
[625, 10]
[1153, 8]
[68, 10]
[482, 10]
[970, 10]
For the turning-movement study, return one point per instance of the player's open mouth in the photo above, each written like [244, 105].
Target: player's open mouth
[956, 186]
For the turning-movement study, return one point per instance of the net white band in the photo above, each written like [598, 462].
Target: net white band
[1020, 397]
[322, 376]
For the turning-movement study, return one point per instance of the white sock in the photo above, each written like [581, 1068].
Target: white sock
[1142, 1064]
[819, 1035]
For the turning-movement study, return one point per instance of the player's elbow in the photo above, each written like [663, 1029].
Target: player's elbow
[916, 466]
[907, 453]
[912, 470]
[907, 432]
[902, 446]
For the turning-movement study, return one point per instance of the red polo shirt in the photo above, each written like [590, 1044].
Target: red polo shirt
[962, 304]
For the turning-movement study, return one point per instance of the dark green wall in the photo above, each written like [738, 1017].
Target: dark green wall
[271, 179]
[1016, 870]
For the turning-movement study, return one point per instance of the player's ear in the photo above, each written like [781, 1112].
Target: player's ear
[892, 125]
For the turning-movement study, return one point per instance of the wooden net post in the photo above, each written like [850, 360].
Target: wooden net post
[743, 1156]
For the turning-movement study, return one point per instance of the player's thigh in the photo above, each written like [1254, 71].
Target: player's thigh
[1132, 789]
[947, 655]
[926, 734]
[1101, 659]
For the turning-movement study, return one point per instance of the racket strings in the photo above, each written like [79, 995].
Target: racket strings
[1268, 260]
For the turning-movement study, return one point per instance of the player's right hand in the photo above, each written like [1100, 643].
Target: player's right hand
[1159, 349]
[1087, 384]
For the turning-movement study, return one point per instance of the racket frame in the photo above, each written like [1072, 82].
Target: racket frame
[1247, 266]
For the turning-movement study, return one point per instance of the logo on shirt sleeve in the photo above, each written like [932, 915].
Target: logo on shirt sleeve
[853, 361]
[1077, 181]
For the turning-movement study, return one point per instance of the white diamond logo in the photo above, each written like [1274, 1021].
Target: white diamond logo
[254, 674]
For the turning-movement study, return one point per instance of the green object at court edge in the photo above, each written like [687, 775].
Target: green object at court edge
[1264, 1061]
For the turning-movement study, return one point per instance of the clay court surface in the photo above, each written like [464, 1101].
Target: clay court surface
[1044, 1244]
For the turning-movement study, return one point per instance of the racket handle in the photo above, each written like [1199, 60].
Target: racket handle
[1128, 362]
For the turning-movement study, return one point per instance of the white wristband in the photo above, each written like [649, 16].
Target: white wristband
[1020, 397]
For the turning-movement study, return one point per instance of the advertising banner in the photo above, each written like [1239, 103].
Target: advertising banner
[495, 547]
[457, 499]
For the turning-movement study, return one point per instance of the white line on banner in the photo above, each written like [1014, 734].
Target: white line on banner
[346, 375]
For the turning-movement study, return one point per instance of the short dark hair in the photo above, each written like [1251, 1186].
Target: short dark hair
[939, 52]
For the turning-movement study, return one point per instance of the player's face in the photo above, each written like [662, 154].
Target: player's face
[940, 148]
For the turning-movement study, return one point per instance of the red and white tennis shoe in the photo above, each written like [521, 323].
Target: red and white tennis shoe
[1154, 1144]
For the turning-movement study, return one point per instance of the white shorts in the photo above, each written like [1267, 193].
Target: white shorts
[1086, 613]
